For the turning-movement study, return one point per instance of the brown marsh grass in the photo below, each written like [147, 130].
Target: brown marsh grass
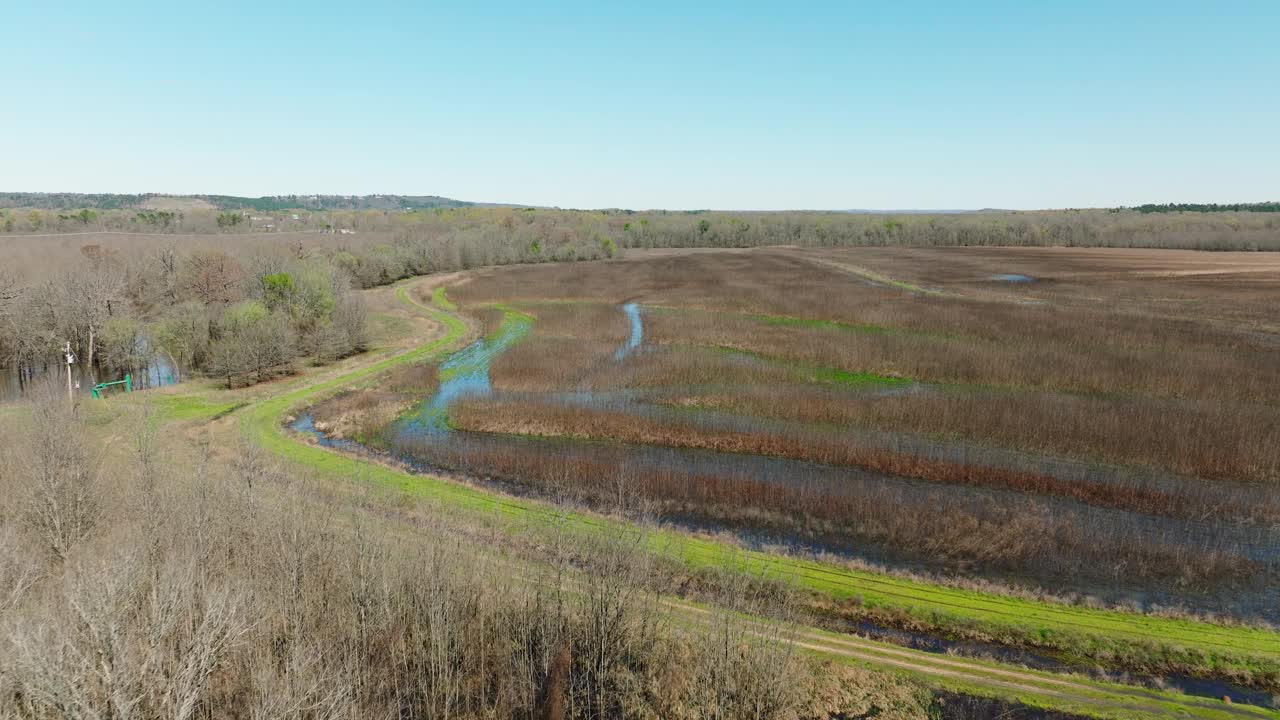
[543, 363]
[412, 378]
[1107, 367]
[548, 420]
[1025, 537]
[1163, 362]
[360, 413]
[1083, 363]
[1209, 440]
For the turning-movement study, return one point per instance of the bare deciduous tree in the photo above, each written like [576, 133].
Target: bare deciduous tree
[62, 506]
[212, 277]
[92, 294]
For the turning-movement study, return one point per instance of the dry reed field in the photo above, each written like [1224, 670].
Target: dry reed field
[1065, 415]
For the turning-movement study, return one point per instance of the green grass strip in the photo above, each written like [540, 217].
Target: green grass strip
[857, 328]
[194, 407]
[818, 373]
[441, 300]
[882, 279]
[263, 421]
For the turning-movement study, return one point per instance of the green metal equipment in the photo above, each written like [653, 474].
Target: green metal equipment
[127, 382]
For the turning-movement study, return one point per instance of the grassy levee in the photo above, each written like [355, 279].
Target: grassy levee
[263, 421]
[1069, 693]
[1091, 631]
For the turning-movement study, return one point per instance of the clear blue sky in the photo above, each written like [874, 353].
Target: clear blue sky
[733, 105]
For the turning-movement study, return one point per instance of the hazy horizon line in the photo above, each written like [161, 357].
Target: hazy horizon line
[854, 210]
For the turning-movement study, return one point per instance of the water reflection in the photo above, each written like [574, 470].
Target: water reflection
[18, 380]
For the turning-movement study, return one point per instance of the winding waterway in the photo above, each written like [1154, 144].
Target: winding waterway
[463, 374]
[637, 331]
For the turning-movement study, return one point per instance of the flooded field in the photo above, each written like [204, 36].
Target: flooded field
[16, 382]
[719, 393]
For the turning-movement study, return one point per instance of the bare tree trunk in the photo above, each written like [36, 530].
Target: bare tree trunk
[89, 361]
[557, 685]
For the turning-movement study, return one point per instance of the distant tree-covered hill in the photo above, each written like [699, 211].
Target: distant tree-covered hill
[334, 202]
[113, 201]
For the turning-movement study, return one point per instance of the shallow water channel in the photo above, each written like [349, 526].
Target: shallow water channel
[463, 374]
[636, 335]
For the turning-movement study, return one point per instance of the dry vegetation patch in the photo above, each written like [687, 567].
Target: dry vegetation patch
[1202, 439]
[360, 414]
[1089, 380]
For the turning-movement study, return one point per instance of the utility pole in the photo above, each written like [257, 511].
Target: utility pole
[71, 358]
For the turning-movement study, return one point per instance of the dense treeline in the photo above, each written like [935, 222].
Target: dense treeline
[43, 220]
[212, 309]
[71, 201]
[1038, 229]
[461, 240]
[246, 311]
[126, 201]
[1209, 207]
[233, 317]
[532, 231]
